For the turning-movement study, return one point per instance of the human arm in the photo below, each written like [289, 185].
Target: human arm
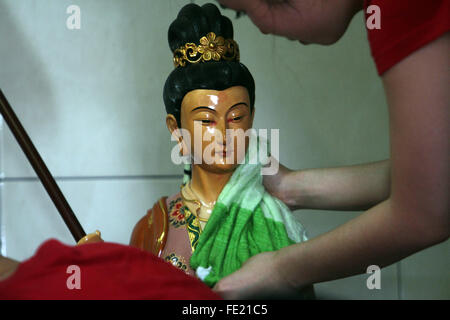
[357, 187]
[416, 214]
[309, 21]
[7, 267]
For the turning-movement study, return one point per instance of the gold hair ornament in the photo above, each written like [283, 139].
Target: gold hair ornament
[211, 47]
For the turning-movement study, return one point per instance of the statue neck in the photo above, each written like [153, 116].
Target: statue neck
[208, 185]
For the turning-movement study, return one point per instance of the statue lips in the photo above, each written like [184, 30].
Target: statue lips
[223, 153]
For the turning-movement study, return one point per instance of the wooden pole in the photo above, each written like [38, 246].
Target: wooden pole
[40, 168]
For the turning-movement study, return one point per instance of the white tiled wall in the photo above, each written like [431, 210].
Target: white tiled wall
[91, 100]
[110, 205]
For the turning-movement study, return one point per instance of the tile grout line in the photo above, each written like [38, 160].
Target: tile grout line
[91, 178]
[2, 174]
[399, 281]
[4, 180]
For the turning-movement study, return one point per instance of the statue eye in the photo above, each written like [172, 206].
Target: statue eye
[235, 119]
[206, 121]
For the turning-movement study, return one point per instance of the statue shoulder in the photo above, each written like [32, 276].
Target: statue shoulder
[150, 232]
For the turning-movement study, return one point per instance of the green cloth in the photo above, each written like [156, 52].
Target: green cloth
[246, 220]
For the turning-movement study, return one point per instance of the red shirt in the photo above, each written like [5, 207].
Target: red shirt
[106, 271]
[406, 26]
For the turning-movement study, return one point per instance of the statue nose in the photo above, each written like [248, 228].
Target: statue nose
[221, 126]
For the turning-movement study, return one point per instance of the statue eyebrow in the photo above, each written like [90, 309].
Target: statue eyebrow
[210, 109]
[203, 107]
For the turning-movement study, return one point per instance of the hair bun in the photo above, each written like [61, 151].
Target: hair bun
[194, 22]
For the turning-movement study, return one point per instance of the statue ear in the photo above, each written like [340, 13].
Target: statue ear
[172, 125]
[253, 114]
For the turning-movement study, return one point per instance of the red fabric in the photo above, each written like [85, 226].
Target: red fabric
[107, 271]
[406, 26]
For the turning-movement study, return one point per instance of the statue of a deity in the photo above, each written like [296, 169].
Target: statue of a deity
[222, 215]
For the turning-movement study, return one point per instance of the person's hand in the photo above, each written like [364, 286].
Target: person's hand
[309, 21]
[259, 278]
[276, 184]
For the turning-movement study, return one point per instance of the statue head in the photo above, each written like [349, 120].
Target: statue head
[209, 91]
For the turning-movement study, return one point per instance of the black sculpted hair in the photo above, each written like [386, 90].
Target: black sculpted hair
[192, 23]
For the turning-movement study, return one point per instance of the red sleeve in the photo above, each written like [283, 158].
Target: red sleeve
[106, 271]
[406, 26]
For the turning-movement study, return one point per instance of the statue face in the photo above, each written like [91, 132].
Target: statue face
[210, 113]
